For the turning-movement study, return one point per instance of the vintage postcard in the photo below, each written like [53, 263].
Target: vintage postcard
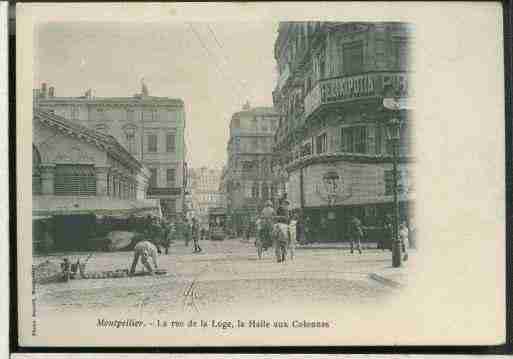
[260, 174]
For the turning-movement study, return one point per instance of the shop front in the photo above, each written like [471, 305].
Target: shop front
[329, 190]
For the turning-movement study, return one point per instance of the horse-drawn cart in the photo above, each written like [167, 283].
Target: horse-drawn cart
[276, 233]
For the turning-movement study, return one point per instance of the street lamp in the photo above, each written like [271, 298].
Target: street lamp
[394, 135]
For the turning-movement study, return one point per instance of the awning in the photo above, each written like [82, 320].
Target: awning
[99, 206]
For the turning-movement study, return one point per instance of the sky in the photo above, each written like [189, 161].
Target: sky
[213, 67]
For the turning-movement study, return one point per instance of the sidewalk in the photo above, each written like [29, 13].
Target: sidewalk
[324, 245]
[395, 277]
[335, 245]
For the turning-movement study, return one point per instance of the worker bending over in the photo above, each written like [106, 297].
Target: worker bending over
[144, 250]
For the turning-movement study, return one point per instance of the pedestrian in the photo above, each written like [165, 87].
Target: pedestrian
[323, 231]
[388, 233]
[145, 250]
[293, 233]
[169, 236]
[403, 235]
[356, 233]
[281, 238]
[187, 232]
[267, 216]
[412, 234]
[195, 235]
[154, 232]
[247, 232]
[283, 208]
[307, 226]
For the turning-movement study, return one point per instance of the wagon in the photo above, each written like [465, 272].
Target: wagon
[217, 224]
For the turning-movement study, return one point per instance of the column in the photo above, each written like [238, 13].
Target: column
[47, 179]
[114, 186]
[101, 180]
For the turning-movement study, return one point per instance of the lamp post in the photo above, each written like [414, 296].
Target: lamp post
[394, 135]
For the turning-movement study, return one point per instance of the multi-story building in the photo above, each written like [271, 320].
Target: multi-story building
[249, 179]
[150, 128]
[204, 184]
[333, 78]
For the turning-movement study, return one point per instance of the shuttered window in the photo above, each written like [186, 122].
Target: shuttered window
[153, 177]
[353, 58]
[171, 177]
[170, 142]
[152, 143]
[75, 180]
[321, 143]
[353, 139]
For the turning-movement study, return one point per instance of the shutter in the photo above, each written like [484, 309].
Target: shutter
[75, 180]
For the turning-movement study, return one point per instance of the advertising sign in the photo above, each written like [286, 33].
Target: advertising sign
[348, 88]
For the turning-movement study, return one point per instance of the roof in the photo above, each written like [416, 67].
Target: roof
[257, 111]
[115, 100]
[104, 142]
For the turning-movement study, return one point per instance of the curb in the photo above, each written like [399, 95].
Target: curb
[385, 281]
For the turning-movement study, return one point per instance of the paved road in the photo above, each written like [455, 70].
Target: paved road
[226, 277]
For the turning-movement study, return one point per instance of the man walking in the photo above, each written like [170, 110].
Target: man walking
[307, 229]
[356, 233]
[187, 232]
[169, 236]
[144, 250]
[195, 235]
[293, 234]
[266, 216]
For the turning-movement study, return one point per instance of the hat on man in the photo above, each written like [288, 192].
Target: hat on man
[268, 203]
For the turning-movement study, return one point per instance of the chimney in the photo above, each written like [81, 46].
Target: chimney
[43, 90]
[51, 91]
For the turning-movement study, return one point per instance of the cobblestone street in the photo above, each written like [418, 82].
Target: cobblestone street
[227, 276]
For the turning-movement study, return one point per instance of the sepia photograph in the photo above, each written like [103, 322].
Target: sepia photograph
[248, 179]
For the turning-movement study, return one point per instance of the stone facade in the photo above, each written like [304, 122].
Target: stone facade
[57, 142]
[333, 78]
[249, 178]
[150, 128]
[204, 185]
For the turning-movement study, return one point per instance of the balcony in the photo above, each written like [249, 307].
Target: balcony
[357, 87]
[164, 191]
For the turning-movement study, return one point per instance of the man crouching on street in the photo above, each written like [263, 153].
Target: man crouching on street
[144, 249]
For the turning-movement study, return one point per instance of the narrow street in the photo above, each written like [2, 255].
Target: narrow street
[226, 277]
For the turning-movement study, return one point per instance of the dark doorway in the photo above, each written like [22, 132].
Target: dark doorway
[73, 232]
